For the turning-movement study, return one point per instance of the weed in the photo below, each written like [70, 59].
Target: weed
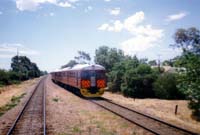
[104, 131]
[76, 129]
[125, 125]
[63, 134]
[13, 102]
[98, 124]
[55, 99]
[133, 133]
[84, 112]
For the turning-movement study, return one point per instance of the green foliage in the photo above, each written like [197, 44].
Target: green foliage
[152, 63]
[108, 57]
[13, 102]
[82, 57]
[115, 77]
[4, 77]
[137, 82]
[165, 87]
[131, 77]
[55, 99]
[71, 63]
[189, 82]
[188, 40]
[24, 67]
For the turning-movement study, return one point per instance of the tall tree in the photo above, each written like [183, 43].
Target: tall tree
[152, 63]
[108, 56]
[189, 41]
[23, 65]
[83, 57]
[71, 63]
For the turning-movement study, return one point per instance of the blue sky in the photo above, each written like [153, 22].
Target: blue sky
[50, 32]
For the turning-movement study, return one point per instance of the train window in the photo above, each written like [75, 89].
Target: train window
[85, 74]
[100, 74]
[88, 74]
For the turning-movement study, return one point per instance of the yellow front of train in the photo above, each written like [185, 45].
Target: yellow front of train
[93, 83]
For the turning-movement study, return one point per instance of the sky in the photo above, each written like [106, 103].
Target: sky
[50, 32]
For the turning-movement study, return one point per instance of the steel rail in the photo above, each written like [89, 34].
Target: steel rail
[140, 113]
[44, 110]
[156, 119]
[10, 131]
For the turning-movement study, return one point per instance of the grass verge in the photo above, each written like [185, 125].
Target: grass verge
[13, 102]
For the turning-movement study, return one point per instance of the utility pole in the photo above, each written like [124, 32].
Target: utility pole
[18, 66]
[159, 63]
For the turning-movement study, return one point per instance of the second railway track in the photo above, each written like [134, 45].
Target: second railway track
[149, 123]
[31, 119]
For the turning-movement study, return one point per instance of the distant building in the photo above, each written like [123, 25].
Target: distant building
[170, 69]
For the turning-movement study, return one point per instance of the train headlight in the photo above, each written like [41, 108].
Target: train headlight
[101, 83]
[85, 83]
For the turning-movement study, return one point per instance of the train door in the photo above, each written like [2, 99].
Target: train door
[93, 78]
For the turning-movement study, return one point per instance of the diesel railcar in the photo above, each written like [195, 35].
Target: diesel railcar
[87, 80]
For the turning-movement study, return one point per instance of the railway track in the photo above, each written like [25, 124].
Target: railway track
[149, 123]
[32, 118]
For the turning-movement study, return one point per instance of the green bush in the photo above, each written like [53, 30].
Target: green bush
[138, 86]
[4, 77]
[165, 87]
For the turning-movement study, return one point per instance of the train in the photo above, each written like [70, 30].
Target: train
[84, 79]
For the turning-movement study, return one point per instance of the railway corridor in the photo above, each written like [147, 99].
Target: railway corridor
[150, 124]
[31, 119]
[67, 113]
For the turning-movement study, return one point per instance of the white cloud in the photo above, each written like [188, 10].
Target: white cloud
[32, 5]
[175, 17]
[9, 50]
[89, 8]
[1, 13]
[104, 26]
[107, 0]
[64, 4]
[117, 26]
[131, 22]
[52, 14]
[73, 1]
[143, 36]
[115, 11]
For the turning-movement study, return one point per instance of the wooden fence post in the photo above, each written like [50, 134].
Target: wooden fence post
[176, 109]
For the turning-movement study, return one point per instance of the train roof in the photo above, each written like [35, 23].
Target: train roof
[82, 67]
[87, 67]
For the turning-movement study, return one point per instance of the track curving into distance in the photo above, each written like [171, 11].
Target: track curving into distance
[149, 123]
[32, 118]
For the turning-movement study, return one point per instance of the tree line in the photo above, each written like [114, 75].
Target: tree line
[21, 69]
[140, 78]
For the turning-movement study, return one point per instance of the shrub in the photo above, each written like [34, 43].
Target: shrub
[165, 87]
[4, 77]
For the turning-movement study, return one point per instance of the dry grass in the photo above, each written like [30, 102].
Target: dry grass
[7, 92]
[163, 109]
[11, 97]
[67, 114]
